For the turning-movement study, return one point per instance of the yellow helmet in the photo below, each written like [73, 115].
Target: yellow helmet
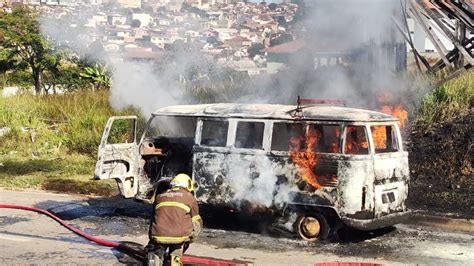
[184, 181]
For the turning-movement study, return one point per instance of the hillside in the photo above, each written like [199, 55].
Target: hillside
[442, 151]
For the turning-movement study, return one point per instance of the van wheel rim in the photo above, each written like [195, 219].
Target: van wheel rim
[309, 228]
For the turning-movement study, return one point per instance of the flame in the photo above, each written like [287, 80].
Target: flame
[379, 136]
[397, 111]
[307, 158]
[354, 144]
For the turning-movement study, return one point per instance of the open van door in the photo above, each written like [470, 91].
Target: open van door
[118, 154]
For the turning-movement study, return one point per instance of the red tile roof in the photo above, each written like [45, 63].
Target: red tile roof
[287, 48]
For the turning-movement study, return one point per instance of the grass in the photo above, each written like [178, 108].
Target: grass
[69, 173]
[53, 141]
[447, 102]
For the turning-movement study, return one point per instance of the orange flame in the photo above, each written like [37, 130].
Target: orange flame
[307, 158]
[379, 136]
[356, 141]
[397, 111]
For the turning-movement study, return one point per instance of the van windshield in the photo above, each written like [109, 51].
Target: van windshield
[171, 127]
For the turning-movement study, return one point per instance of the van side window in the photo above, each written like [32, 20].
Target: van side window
[385, 139]
[214, 133]
[286, 134]
[327, 138]
[172, 127]
[249, 135]
[356, 140]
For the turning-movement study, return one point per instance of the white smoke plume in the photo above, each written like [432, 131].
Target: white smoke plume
[137, 84]
[255, 180]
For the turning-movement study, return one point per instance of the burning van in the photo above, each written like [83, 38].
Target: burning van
[314, 165]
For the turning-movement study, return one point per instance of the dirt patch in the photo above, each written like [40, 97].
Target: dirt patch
[441, 162]
[88, 187]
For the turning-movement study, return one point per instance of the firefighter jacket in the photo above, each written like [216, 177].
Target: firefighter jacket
[176, 218]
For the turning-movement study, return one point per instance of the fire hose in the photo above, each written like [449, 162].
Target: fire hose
[112, 244]
[94, 239]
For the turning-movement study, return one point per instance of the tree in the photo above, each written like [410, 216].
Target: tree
[23, 41]
[255, 49]
[136, 23]
[272, 6]
[283, 38]
[97, 75]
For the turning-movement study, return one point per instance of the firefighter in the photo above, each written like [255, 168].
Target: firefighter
[175, 222]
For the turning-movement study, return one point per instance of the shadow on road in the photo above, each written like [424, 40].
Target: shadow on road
[97, 207]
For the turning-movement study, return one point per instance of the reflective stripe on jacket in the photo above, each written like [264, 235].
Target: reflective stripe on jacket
[176, 212]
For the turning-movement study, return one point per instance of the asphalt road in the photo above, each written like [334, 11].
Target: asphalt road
[30, 238]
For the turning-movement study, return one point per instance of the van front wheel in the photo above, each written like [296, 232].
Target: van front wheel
[312, 227]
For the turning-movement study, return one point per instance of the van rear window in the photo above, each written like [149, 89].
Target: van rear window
[214, 133]
[249, 135]
[384, 138]
[356, 140]
[285, 134]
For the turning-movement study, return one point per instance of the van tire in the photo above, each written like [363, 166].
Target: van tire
[312, 227]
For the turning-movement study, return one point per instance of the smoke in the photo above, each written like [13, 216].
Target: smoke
[255, 180]
[137, 84]
[352, 51]
[364, 32]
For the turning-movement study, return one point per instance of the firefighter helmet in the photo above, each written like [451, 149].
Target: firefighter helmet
[184, 181]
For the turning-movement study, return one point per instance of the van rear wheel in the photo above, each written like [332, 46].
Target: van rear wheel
[312, 227]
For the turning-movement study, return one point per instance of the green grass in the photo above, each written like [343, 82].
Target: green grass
[45, 125]
[68, 173]
[53, 141]
[447, 102]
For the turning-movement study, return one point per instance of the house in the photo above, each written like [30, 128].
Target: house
[145, 19]
[280, 55]
[97, 20]
[116, 19]
[244, 65]
[161, 40]
[165, 22]
[111, 47]
[192, 34]
[226, 33]
[237, 42]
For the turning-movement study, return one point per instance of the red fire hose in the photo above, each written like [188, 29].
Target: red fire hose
[107, 243]
[61, 222]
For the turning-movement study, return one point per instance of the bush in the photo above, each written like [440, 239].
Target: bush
[447, 102]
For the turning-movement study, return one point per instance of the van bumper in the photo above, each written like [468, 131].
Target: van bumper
[376, 223]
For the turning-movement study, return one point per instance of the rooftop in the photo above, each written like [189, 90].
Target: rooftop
[275, 111]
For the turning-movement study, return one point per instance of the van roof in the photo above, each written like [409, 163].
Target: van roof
[275, 111]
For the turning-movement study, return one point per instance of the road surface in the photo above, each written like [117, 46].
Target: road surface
[31, 238]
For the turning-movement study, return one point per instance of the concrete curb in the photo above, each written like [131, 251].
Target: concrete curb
[442, 222]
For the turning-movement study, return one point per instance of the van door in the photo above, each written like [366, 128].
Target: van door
[209, 161]
[356, 176]
[390, 169]
[118, 154]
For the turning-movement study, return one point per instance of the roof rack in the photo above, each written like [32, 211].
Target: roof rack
[303, 102]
